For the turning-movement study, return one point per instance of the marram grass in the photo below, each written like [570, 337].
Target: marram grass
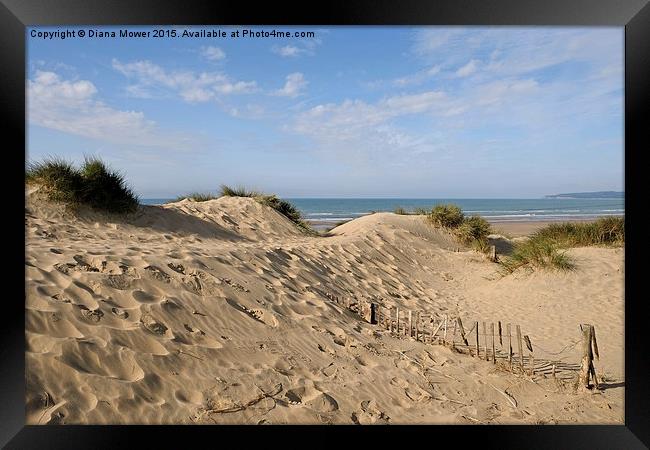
[94, 184]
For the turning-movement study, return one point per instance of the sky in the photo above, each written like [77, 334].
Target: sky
[414, 112]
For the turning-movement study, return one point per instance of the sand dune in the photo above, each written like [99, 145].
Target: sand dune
[222, 312]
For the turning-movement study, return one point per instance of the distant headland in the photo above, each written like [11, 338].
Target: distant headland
[600, 194]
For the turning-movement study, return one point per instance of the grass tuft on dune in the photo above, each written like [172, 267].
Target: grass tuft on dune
[604, 231]
[537, 253]
[94, 184]
[238, 191]
[197, 197]
[544, 247]
[284, 207]
[472, 231]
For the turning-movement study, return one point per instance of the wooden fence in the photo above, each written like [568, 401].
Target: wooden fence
[500, 342]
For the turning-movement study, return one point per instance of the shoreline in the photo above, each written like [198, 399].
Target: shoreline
[515, 227]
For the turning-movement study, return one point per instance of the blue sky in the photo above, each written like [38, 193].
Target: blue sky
[437, 112]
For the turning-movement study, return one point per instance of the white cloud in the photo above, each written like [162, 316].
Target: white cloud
[72, 107]
[302, 47]
[355, 129]
[294, 85]
[152, 80]
[287, 50]
[417, 78]
[212, 53]
[467, 69]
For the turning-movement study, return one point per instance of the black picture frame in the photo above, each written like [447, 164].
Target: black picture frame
[634, 15]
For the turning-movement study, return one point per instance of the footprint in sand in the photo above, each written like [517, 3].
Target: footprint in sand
[157, 274]
[179, 268]
[122, 314]
[91, 315]
[370, 413]
[195, 337]
[145, 297]
[259, 315]
[120, 282]
[155, 327]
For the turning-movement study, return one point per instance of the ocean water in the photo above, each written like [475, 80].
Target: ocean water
[324, 210]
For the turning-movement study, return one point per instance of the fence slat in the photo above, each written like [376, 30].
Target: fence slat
[485, 341]
[494, 357]
[500, 339]
[595, 346]
[520, 347]
[478, 352]
[397, 321]
[509, 346]
[462, 331]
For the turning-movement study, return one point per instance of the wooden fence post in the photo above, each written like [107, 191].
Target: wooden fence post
[410, 332]
[444, 336]
[373, 313]
[595, 346]
[500, 339]
[462, 331]
[519, 346]
[532, 359]
[397, 319]
[494, 355]
[587, 367]
[477, 347]
[493, 253]
[434, 332]
[485, 341]
[509, 345]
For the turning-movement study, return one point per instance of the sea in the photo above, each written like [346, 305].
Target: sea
[321, 211]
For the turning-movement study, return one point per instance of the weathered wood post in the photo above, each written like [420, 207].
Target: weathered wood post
[587, 367]
[373, 313]
[500, 339]
[434, 332]
[532, 358]
[444, 336]
[595, 346]
[397, 319]
[520, 347]
[410, 332]
[453, 336]
[485, 340]
[494, 354]
[493, 253]
[509, 345]
[462, 331]
[477, 347]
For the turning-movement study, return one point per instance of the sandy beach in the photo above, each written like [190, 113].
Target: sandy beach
[223, 312]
